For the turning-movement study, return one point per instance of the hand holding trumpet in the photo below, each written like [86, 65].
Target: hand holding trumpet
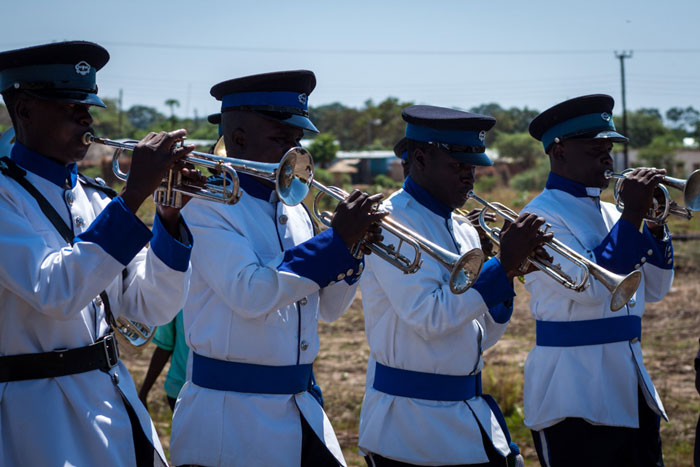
[355, 219]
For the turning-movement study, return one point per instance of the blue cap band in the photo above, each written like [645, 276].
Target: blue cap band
[431, 135]
[578, 125]
[283, 99]
[404, 156]
[80, 76]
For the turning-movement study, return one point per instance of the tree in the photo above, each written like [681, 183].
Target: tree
[172, 103]
[682, 119]
[5, 121]
[661, 152]
[521, 147]
[323, 149]
[643, 126]
[141, 116]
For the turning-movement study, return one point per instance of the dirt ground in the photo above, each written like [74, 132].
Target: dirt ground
[670, 341]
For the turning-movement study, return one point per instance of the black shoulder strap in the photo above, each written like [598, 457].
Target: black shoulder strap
[12, 170]
[96, 185]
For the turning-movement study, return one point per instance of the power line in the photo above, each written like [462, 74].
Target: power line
[391, 51]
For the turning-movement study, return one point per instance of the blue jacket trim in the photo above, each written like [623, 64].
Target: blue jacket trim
[172, 252]
[588, 332]
[222, 375]
[623, 248]
[429, 386]
[323, 258]
[662, 250]
[118, 231]
[254, 186]
[495, 289]
[421, 195]
[557, 182]
[46, 168]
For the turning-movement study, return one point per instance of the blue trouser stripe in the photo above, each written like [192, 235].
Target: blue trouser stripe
[247, 377]
[588, 332]
[430, 386]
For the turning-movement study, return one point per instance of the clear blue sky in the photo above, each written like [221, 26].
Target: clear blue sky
[451, 53]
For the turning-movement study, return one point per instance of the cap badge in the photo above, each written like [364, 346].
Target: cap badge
[605, 116]
[302, 98]
[482, 135]
[82, 68]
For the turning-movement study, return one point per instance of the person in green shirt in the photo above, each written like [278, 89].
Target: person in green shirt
[170, 342]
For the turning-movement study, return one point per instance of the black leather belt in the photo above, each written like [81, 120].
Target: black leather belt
[102, 355]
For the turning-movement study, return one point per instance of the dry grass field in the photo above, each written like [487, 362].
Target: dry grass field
[670, 341]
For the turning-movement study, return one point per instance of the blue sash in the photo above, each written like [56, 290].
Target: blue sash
[588, 332]
[247, 377]
[430, 386]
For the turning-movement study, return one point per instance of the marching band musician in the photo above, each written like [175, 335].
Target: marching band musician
[588, 398]
[71, 256]
[423, 403]
[261, 281]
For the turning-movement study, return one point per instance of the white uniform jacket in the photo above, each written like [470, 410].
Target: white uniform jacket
[414, 322]
[595, 382]
[49, 294]
[259, 287]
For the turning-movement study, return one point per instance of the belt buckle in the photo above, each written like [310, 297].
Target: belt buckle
[109, 344]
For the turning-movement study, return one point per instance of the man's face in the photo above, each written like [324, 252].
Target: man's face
[587, 160]
[269, 140]
[447, 180]
[55, 129]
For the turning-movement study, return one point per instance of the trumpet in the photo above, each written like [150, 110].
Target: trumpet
[292, 175]
[464, 269]
[621, 287]
[136, 333]
[658, 213]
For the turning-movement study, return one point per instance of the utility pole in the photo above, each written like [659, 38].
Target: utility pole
[119, 115]
[622, 56]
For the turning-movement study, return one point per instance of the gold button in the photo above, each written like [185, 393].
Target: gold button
[650, 252]
[283, 219]
[632, 302]
[70, 197]
[341, 276]
[669, 261]
[98, 301]
[79, 221]
[637, 266]
[635, 340]
[643, 260]
[349, 272]
[303, 301]
[304, 345]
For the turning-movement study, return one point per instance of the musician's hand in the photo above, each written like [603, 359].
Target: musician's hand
[354, 215]
[637, 192]
[151, 159]
[373, 235]
[518, 241]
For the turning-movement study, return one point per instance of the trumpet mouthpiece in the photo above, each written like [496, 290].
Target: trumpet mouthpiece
[87, 138]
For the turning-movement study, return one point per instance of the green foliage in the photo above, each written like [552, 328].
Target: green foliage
[323, 149]
[643, 126]
[521, 147]
[142, 117]
[485, 184]
[532, 179]
[5, 121]
[661, 152]
[513, 120]
[384, 183]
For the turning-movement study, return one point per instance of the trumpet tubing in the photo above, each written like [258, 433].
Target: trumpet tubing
[292, 175]
[690, 188]
[464, 269]
[621, 287]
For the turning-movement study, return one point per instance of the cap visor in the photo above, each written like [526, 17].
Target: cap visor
[302, 122]
[471, 158]
[613, 136]
[72, 97]
[214, 118]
